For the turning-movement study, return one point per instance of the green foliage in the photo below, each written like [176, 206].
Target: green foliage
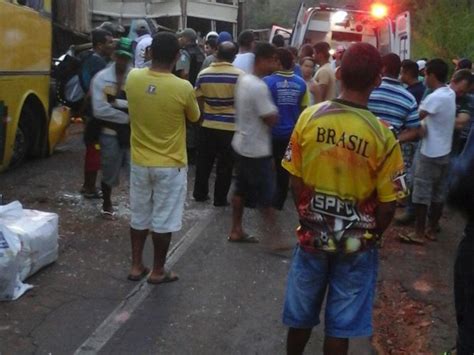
[265, 13]
[443, 28]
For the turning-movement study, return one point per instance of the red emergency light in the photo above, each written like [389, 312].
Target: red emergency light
[379, 10]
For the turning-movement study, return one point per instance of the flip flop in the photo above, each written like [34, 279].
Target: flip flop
[431, 236]
[110, 216]
[410, 238]
[96, 195]
[167, 277]
[140, 277]
[244, 239]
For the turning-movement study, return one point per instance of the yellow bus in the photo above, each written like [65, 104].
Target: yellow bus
[29, 124]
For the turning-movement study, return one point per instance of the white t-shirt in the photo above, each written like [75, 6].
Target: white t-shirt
[253, 138]
[142, 43]
[245, 62]
[439, 124]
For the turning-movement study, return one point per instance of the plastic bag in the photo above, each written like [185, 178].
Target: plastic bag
[11, 287]
[30, 240]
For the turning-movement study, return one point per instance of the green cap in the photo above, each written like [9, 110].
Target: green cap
[124, 47]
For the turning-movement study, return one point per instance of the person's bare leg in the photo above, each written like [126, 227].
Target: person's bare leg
[237, 231]
[90, 178]
[107, 198]
[336, 346]
[138, 238]
[161, 244]
[436, 211]
[297, 340]
[420, 211]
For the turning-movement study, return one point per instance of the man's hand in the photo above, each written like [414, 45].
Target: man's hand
[384, 215]
[270, 120]
[410, 135]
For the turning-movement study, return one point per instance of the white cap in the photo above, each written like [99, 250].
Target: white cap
[421, 64]
[212, 34]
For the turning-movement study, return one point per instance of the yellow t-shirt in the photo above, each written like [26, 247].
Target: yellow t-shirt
[349, 161]
[159, 104]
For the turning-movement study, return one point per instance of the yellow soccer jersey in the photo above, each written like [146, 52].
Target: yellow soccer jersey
[349, 161]
[159, 104]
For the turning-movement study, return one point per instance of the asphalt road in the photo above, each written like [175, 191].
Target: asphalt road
[229, 297]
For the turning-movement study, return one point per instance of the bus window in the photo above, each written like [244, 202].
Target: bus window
[34, 4]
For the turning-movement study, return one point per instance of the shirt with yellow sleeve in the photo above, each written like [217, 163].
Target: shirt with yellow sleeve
[349, 162]
[159, 105]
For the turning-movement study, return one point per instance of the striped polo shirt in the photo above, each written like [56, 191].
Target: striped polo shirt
[393, 104]
[216, 85]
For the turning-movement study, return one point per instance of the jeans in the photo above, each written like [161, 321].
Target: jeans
[464, 292]
[282, 176]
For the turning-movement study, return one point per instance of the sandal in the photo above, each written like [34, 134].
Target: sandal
[110, 216]
[96, 195]
[140, 277]
[410, 238]
[168, 276]
[244, 239]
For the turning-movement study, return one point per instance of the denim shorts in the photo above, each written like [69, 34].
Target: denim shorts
[350, 282]
[431, 180]
[112, 159]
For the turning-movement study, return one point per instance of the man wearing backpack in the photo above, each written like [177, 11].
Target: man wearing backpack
[102, 48]
[111, 111]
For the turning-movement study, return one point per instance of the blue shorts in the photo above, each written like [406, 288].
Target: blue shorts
[350, 282]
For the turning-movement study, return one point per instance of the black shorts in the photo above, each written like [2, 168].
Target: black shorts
[255, 180]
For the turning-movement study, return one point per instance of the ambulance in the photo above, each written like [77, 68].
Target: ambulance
[341, 26]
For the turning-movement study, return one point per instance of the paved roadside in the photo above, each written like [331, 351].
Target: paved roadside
[230, 296]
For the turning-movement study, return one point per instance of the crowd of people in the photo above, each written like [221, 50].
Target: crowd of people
[351, 132]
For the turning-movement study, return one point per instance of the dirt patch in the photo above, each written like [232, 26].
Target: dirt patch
[402, 325]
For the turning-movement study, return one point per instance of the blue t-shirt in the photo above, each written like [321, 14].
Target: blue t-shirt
[290, 95]
[418, 91]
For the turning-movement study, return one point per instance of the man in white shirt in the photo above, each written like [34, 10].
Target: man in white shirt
[255, 115]
[438, 113]
[245, 58]
[142, 41]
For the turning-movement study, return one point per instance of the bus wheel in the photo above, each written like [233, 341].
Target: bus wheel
[22, 139]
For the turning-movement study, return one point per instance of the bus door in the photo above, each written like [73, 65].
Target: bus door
[402, 40]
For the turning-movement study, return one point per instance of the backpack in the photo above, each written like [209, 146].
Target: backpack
[197, 58]
[70, 90]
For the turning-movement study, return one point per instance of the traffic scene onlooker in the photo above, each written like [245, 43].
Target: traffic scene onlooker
[256, 114]
[347, 172]
[325, 76]
[110, 108]
[159, 106]
[291, 96]
[215, 91]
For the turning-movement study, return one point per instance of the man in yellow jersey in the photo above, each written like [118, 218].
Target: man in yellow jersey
[159, 105]
[347, 172]
[215, 88]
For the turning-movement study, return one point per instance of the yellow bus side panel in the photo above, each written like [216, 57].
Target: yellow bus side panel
[14, 91]
[25, 39]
